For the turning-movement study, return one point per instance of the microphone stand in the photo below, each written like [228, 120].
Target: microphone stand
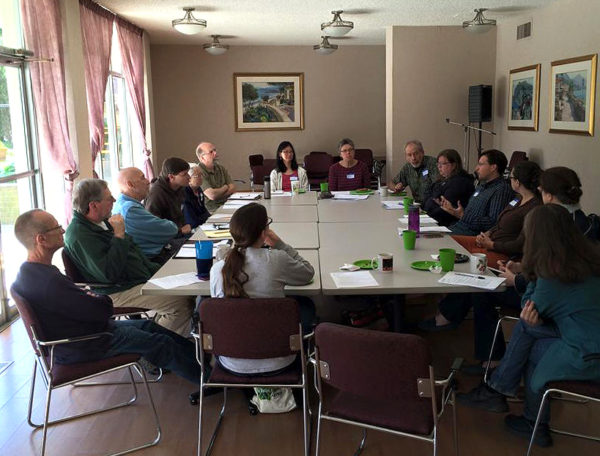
[466, 129]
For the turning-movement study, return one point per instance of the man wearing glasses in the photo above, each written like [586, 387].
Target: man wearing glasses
[419, 173]
[216, 182]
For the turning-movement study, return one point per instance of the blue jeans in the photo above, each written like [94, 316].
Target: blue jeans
[161, 347]
[527, 346]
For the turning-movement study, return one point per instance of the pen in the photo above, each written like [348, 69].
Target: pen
[469, 275]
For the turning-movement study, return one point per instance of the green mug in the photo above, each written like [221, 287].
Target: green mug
[324, 187]
[447, 257]
[407, 201]
[409, 237]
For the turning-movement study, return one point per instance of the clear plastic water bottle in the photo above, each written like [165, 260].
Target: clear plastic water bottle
[267, 188]
[413, 218]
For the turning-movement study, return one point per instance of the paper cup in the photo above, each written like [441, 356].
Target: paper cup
[409, 237]
[447, 257]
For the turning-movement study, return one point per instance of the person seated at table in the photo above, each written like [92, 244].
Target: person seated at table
[561, 185]
[167, 193]
[505, 239]
[194, 211]
[557, 336]
[489, 199]
[155, 236]
[287, 170]
[349, 173]
[250, 271]
[419, 172]
[217, 185]
[65, 310]
[454, 184]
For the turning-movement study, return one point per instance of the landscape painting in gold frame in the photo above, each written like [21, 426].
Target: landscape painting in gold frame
[524, 98]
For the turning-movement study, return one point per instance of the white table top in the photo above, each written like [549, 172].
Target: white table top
[303, 199]
[363, 211]
[346, 243]
[180, 266]
[283, 214]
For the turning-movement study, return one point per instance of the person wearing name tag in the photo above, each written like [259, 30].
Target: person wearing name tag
[287, 170]
[419, 173]
[349, 173]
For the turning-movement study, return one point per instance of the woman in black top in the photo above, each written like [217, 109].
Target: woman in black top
[454, 184]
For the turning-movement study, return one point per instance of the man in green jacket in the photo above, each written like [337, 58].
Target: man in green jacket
[104, 253]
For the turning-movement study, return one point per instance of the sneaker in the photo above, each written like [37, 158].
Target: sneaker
[521, 426]
[485, 398]
[430, 325]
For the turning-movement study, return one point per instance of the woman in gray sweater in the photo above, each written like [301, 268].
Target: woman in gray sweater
[251, 271]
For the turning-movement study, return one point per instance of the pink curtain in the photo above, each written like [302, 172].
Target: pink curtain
[96, 32]
[132, 52]
[43, 36]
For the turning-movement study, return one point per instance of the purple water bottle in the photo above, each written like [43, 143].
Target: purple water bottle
[413, 218]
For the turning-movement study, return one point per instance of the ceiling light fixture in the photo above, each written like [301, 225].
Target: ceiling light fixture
[479, 24]
[189, 25]
[215, 48]
[325, 47]
[337, 27]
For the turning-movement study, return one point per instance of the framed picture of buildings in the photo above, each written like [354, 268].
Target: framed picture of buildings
[572, 90]
[524, 98]
[268, 101]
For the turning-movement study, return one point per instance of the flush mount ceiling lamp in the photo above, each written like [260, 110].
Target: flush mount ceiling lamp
[325, 47]
[479, 24]
[215, 48]
[189, 25]
[337, 27]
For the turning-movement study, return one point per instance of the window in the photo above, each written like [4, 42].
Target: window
[122, 146]
[19, 173]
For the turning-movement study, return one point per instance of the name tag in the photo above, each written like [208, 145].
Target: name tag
[293, 178]
[425, 172]
[476, 194]
[514, 202]
[350, 176]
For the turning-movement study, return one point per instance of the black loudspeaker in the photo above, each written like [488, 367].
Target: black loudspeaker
[480, 103]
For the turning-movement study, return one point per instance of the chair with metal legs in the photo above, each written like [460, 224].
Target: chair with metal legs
[250, 329]
[59, 375]
[381, 381]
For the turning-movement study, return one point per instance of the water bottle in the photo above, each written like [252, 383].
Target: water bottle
[267, 188]
[413, 218]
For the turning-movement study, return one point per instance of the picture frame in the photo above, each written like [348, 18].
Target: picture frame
[524, 98]
[268, 101]
[572, 95]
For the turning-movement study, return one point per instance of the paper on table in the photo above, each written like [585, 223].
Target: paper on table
[280, 193]
[177, 280]
[218, 234]
[434, 229]
[392, 205]
[353, 279]
[216, 217]
[186, 251]
[472, 280]
[235, 204]
[422, 219]
[245, 196]
[348, 196]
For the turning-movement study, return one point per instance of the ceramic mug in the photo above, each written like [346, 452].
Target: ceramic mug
[383, 190]
[385, 262]
[478, 263]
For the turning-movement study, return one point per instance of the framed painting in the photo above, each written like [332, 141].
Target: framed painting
[572, 93]
[524, 98]
[268, 101]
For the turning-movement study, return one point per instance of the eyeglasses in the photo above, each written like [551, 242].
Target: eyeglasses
[57, 227]
[350, 149]
[269, 221]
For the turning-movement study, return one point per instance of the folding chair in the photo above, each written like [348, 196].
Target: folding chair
[577, 391]
[381, 381]
[250, 329]
[58, 375]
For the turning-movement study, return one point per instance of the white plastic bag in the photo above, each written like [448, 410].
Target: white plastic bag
[274, 400]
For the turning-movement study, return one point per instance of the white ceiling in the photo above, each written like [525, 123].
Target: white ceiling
[284, 22]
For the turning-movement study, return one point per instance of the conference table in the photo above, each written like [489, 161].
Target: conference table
[330, 233]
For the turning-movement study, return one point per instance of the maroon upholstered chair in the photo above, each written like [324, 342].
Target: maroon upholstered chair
[365, 156]
[516, 157]
[255, 160]
[379, 380]
[250, 329]
[60, 375]
[317, 168]
[577, 391]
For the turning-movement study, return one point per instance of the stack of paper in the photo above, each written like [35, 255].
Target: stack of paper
[354, 279]
[392, 205]
[186, 251]
[348, 196]
[423, 220]
[245, 196]
[218, 234]
[235, 204]
[472, 280]
[177, 280]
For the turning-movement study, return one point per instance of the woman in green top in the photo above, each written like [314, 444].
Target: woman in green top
[557, 337]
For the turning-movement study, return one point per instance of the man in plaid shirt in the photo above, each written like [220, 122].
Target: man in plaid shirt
[419, 173]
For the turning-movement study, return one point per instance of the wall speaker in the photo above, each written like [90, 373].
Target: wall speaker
[480, 103]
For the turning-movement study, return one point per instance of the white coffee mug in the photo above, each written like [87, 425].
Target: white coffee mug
[383, 191]
[478, 263]
[385, 262]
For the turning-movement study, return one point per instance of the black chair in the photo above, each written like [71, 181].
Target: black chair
[59, 375]
[382, 381]
[250, 329]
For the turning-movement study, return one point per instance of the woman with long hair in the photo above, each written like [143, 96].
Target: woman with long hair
[250, 271]
[557, 336]
[287, 170]
[454, 184]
